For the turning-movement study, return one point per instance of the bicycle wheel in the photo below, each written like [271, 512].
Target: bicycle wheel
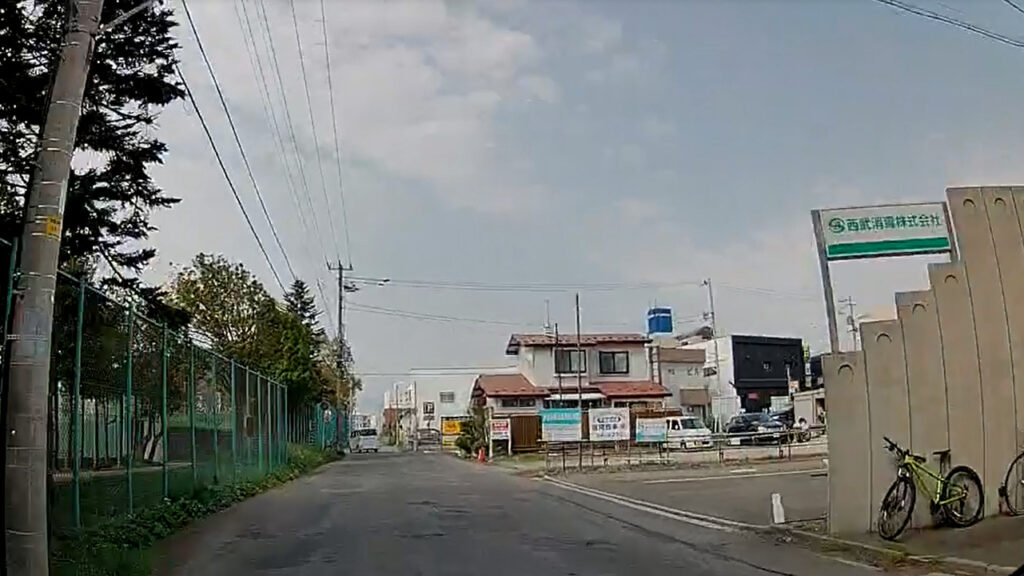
[897, 508]
[1013, 487]
[965, 485]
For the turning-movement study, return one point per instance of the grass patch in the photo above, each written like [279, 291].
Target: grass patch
[122, 546]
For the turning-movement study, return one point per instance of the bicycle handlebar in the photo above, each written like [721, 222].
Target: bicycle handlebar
[891, 446]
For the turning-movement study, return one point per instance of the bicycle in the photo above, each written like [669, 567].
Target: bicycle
[1012, 490]
[957, 499]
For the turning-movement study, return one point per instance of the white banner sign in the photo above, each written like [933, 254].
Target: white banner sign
[878, 231]
[651, 430]
[501, 429]
[609, 424]
[560, 424]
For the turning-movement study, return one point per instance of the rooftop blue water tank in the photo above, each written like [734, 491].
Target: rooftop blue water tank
[659, 320]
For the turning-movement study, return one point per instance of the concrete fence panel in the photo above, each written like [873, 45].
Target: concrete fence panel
[1015, 303]
[960, 363]
[970, 210]
[888, 402]
[926, 379]
[849, 479]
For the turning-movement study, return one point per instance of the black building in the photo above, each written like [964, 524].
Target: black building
[763, 367]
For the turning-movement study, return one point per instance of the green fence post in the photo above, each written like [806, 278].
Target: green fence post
[129, 411]
[163, 417]
[192, 410]
[248, 406]
[259, 418]
[234, 427]
[216, 425]
[270, 426]
[287, 437]
[76, 421]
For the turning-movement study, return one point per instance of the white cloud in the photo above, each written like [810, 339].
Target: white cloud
[542, 88]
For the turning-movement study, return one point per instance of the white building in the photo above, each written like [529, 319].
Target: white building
[609, 370]
[444, 392]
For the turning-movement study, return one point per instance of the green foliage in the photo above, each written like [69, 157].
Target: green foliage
[121, 547]
[111, 196]
[473, 436]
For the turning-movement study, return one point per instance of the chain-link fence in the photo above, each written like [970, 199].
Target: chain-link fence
[324, 425]
[139, 413]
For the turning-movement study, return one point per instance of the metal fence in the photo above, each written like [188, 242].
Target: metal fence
[139, 413]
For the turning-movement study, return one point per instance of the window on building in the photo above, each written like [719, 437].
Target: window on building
[570, 361]
[447, 397]
[614, 362]
[518, 402]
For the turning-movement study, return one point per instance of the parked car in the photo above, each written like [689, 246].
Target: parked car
[688, 433]
[768, 429]
[428, 437]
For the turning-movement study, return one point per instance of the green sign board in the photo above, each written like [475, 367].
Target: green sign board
[880, 231]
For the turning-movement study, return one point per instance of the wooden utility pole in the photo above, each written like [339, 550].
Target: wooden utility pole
[25, 475]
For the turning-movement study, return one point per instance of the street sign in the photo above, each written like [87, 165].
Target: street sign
[651, 430]
[877, 232]
[561, 425]
[880, 231]
[428, 407]
[501, 429]
[608, 424]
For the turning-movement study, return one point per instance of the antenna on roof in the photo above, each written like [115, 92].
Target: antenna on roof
[547, 317]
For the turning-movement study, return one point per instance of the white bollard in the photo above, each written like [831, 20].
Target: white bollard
[778, 513]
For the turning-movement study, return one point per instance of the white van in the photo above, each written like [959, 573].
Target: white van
[364, 440]
[688, 433]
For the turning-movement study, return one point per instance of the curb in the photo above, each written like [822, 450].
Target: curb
[897, 555]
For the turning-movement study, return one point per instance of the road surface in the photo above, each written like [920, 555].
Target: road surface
[430, 514]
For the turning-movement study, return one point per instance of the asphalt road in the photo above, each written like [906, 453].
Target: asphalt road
[427, 514]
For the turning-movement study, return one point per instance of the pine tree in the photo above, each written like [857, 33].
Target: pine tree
[110, 195]
[299, 301]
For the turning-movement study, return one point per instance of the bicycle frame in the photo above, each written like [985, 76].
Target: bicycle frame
[922, 474]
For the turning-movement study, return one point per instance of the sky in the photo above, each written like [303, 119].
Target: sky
[624, 149]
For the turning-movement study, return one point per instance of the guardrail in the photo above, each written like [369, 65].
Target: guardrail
[708, 449]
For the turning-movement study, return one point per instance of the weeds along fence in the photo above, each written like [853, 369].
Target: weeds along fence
[138, 412]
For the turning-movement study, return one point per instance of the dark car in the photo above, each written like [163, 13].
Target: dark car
[785, 416]
[768, 429]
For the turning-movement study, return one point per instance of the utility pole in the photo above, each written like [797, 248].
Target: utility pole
[341, 268]
[851, 320]
[714, 335]
[30, 337]
[579, 376]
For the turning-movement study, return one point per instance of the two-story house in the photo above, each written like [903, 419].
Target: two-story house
[605, 370]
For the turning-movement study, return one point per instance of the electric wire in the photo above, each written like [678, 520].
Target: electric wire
[337, 141]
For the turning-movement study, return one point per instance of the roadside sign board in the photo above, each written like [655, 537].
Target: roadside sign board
[881, 231]
[651, 430]
[608, 424]
[561, 425]
[501, 429]
[428, 408]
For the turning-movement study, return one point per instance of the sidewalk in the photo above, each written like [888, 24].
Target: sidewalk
[995, 541]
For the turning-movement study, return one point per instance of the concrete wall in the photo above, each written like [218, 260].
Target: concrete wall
[948, 373]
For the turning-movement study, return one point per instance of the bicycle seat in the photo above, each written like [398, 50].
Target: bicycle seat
[941, 452]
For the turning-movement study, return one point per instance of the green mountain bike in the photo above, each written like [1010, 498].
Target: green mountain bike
[957, 499]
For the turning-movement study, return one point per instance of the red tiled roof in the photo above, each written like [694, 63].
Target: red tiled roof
[518, 340]
[631, 389]
[499, 385]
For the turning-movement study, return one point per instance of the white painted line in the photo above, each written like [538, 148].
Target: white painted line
[731, 477]
[743, 471]
[722, 523]
[642, 508]
[852, 563]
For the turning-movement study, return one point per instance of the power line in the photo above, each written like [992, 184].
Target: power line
[269, 37]
[366, 308]
[312, 125]
[268, 107]
[528, 287]
[932, 15]
[1015, 6]
[234, 132]
[224, 170]
[337, 142]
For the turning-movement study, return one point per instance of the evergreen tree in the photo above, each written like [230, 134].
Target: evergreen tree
[110, 194]
[299, 301]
